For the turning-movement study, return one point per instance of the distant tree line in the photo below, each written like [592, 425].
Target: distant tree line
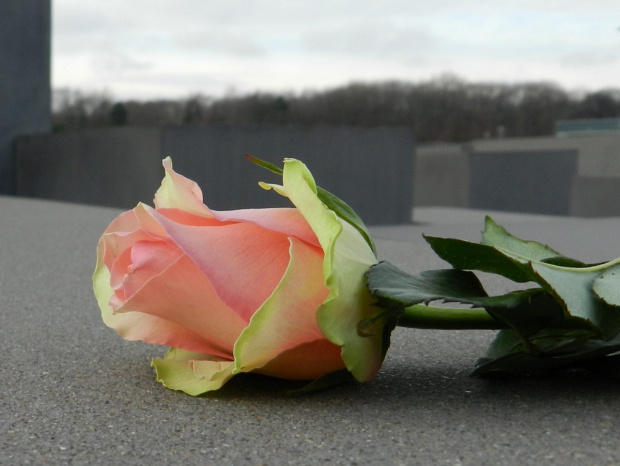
[443, 109]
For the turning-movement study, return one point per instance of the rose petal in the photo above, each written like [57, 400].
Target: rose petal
[284, 332]
[184, 195]
[118, 271]
[136, 325]
[285, 220]
[183, 296]
[128, 228]
[148, 259]
[243, 262]
[307, 361]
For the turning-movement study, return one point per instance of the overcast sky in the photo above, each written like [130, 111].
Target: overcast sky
[163, 48]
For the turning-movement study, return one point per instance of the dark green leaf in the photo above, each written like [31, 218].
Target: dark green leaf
[607, 285]
[397, 289]
[564, 349]
[575, 286]
[572, 287]
[464, 255]
[497, 236]
[500, 253]
[565, 262]
[527, 311]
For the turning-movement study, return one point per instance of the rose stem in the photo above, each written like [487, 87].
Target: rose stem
[445, 318]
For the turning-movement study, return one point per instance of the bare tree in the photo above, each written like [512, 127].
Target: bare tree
[442, 109]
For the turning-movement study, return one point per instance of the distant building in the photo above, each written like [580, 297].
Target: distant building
[587, 127]
[577, 176]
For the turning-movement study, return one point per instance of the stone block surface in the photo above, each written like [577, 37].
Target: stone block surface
[112, 167]
[369, 168]
[595, 196]
[528, 181]
[442, 176]
[25, 95]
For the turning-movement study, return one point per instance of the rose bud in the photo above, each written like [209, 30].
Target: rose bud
[276, 291]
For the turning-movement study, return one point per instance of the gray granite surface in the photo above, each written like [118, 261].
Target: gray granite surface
[73, 392]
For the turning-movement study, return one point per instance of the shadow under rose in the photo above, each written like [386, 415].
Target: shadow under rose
[426, 386]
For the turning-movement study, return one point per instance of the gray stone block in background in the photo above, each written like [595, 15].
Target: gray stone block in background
[24, 77]
[534, 181]
[523, 175]
[111, 167]
[441, 175]
[369, 168]
[595, 196]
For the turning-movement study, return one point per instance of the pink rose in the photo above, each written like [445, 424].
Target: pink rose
[274, 291]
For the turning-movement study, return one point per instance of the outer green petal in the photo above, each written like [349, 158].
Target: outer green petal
[349, 303]
[347, 258]
[103, 292]
[101, 286]
[192, 373]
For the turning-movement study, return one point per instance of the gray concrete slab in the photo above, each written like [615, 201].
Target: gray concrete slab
[80, 166]
[522, 181]
[25, 92]
[73, 392]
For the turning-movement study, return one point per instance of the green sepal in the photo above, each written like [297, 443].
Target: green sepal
[343, 376]
[334, 203]
[263, 163]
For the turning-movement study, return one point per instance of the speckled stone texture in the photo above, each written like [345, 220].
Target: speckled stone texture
[73, 392]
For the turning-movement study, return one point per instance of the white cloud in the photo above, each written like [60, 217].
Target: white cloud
[371, 38]
[152, 48]
[220, 41]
